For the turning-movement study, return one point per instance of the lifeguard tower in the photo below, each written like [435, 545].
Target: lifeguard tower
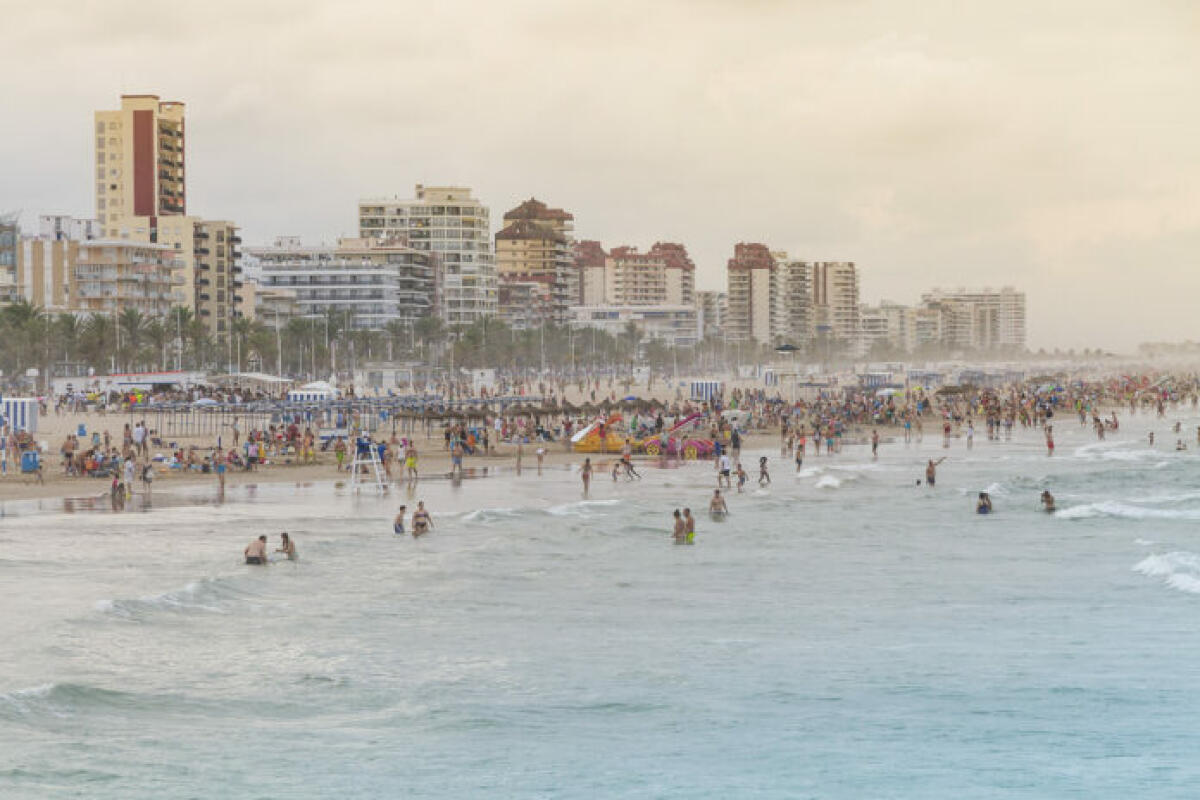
[366, 455]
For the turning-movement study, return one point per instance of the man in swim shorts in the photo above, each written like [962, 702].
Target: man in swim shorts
[256, 551]
[723, 474]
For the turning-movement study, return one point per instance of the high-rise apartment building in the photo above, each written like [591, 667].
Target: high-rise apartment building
[751, 277]
[10, 239]
[711, 309]
[139, 161]
[835, 301]
[984, 319]
[589, 263]
[141, 196]
[67, 269]
[371, 281]
[792, 302]
[448, 222]
[664, 275]
[535, 262]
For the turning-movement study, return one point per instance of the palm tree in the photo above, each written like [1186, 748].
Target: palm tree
[157, 335]
[132, 325]
[99, 340]
[240, 330]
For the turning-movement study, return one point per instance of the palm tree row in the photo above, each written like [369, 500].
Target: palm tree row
[63, 344]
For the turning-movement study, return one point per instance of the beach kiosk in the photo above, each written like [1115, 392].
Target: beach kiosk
[315, 392]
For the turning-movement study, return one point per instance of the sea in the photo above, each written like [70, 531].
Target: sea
[844, 633]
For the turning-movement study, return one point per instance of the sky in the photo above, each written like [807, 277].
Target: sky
[1054, 147]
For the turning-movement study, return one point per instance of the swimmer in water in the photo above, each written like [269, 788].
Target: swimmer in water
[398, 522]
[1047, 502]
[256, 551]
[984, 506]
[716, 505]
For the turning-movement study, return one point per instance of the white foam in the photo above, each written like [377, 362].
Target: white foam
[1179, 569]
[1114, 508]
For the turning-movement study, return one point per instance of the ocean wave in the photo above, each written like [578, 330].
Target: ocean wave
[580, 508]
[1115, 508]
[62, 700]
[208, 595]
[1179, 569]
[490, 515]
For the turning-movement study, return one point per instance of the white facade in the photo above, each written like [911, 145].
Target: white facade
[450, 223]
[674, 324]
[983, 319]
[373, 282]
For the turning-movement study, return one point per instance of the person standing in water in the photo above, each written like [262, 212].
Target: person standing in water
[422, 522]
[287, 546]
[680, 532]
[931, 471]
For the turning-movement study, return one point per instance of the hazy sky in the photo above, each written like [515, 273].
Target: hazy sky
[1053, 146]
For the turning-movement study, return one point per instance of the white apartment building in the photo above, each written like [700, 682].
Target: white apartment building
[751, 293]
[675, 325]
[835, 301]
[711, 309]
[448, 222]
[983, 319]
[373, 282]
[791, 302]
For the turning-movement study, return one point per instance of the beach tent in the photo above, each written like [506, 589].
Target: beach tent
[21, 413]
